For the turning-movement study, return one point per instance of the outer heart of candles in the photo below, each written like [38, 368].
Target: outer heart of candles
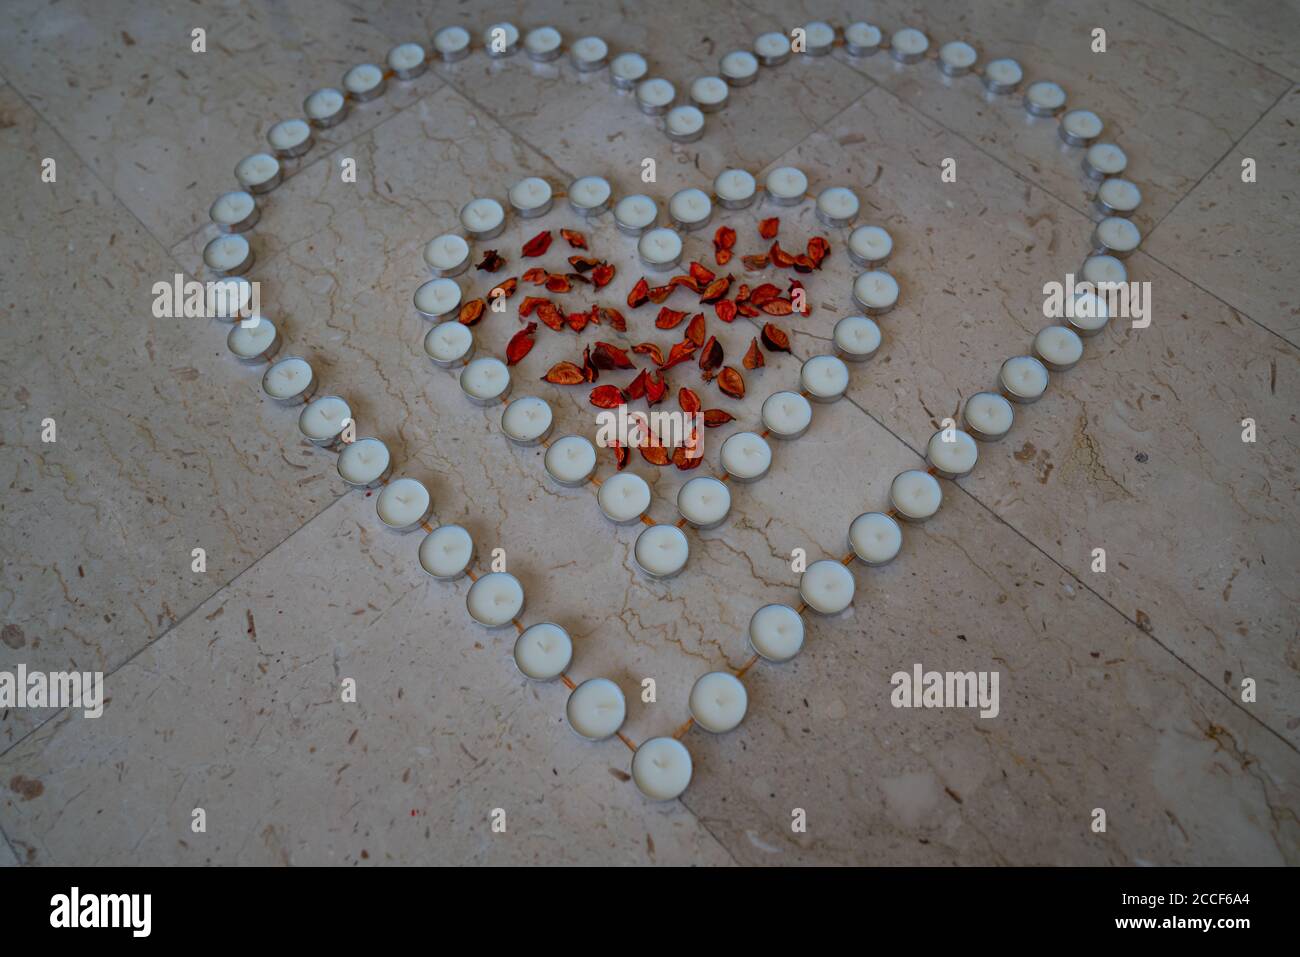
[1023, 378]
[322, 419]
[824, 378]
[661, 768]
[786, 415]
[870, 245]
[623, 497]
[290, 138]
[745, 456]
[684, 124]
[543, 43]
[837, 205]
[527, 420]
[635, 214]
[258, 173]
[403, 504]
[231, 211]
[483, 218]
[661, 551]
[485, 380]
[627, 69]
[364, 462]
[596, 709]
[589, 195]
[735, 188]
[875, 538]
[875, 292]
[1058, 348]
[787, 185]
[447, 255]
[1117, 236]
[589, 53]
[325, 107]
[570, 460]
[252, 342]
[772, 49]
[531, 196]
[228, 255]
[495, 600]
[543, 651]
[709, 93]
[1044, 98]
[449, 343]
[452, 43]
[437, 297]
[364, 81]
[704, 501]
[776, 632]
[856, 338]
[915, 495]
[739, 68]
[690, 209]
[655, 95]
[908, 45]
[718, 701]
[660, 249]
[827, 587]
[1118, 197]
[861, 38]
[288, 379]
[446, 552]
[952, 452]
[988, 416]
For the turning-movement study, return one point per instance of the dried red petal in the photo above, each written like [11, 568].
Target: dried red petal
[506, 289]
[537, 276]
[780, 258]
[803, 263]
[583, 263]
[777, 307]
[529, 304]
[614, 318]
[490, 262]
[768, 227]
[659, 293]
[601, 275]
[639, 294]
[742, 292]
[722, 256]
[764, 293]
[472, 311]
[754, 263]
[655, 454]
[732, 383]
[538, 245]
[726, 310]
[607, 397]
[578, 320]
[574, 238]
[746, 310]
[684, 461]
[656, 387]
[636, 389]
[607, 356]
[754, 356]
[724, 238]
[716, 417]
[818, 249]
[711, 354]
[775, 338]
[680, 352]
[688, 400]
[550, 314]
[669, 318]
[589, 370]
[520, 343]
[701, 273]
[651, 350]
[695, 331]
[557, 283]
[716, 289]
[564, 373]
[689, 282]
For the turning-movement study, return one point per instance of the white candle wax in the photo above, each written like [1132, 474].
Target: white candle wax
[446, 552]
[661, 768]
[485, 379]
[1003, 75]
[448, 343]
[363, 461]
[322, 419]
[570, 460]
[958, 56]
[635, 213]
[589, 193]
[229, 298]
[543, 43]
[869, 245]
[660, 247]
[989, 415]
[288, 378]
[251, 338]
[776, 632]
[405, 57]
[856, 337]
[819, 37]
[745, 456]
[324, 106]
[827, 587]
[287, 136]
[527, 419]
[1045, 97]
[530, 194]
[837, 205]
[628, 68]
[772, 47]
[1023, 378]
[655, 93]
[596, 709]
[738, 67]
[734, 186]
[437, 297]
[661, 550]
[718, 701]
[1118, 235]
[623, 497]
[1120, 195]
[482, 216]
[232, 208]
[862, 38]
[589, 53]
[1099, 269]
[495, 600]
[1081, 125]
[1105, 159]
[1088, 314]
[446, 253]
[787, 183]
[500, 39]
[258, 171]
[543, 651]
[402, 503]
[786, 414]
[690, 208]
[363, 79]
[875, 291]
[684, 123]
[709, 92]
[1058, 347]
[451, 42]
[909, 42]
[875, 538]
[915, 494]
[227, 254]
[704, 501]
[825, 377]
[953, 458]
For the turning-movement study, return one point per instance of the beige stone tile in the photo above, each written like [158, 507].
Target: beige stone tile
[164, 127]
[1260, 30]
[1235, 239]
[7, 856]
[162, 444]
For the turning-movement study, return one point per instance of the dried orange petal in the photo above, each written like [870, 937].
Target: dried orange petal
[695, 331]
[669, 318]
[538, 245]
[564, 373]
[711, 354]
[640, 292]
[656, 387]
[722, 256]
[777, 307]
[550, 314]
[732, 383]
[780, 258]
[506, 289]
[520, 343]
[651, 350]
[537, 276]
[689, 282]
[768, 227]
[726, 310]
[753, 356]
[716, 289]
[607, 397]
[583, 263]
[684, 461]
[490, 262]
[680, 352]
[746, 310]
[557, 283]
[636, 389]
[589, 370]
[724, 238]
[574, 238]
[754, 263]
[688, 400]
[716, 417]
[655, 454]
[620, 455]
[764, 293]
[578, 320]
[607, 356]
[472, 311]
[601, 275]
[614, 318]
[818, 249]
[701, 273]
[775, 338]
[659, 293]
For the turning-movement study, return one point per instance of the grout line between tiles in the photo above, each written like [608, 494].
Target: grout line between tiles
[1210, 39]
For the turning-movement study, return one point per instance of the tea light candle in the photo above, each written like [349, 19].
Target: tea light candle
[915, 495]
[596, 709]
[786, 185]
[495, 600]
[875, 538]
[856, 338]
[1104, 159]
[735, 189]
[627, 70]
[684, 124]
[1080, 127]
[446, 552]
[745, 456]
[661, 551]
[870, 246]
[589, 195]
[234, 212]
[364, 82]
[258, 173]
[1117, 236]
[861, 39]
[365, 463]
[447, 255]
[230, 299]
[1044, 98]
[1118, 197]
[228, 255]
[908, 45]
[704, 501]
[437, 297]
[501, 40]
[837, 206]
[655, 95]
[570, 460]
[635, 214]
[739, 68]
[449, 344]
[290, 138]
[404, 504]
[952, 459]
[1003, 75]
[322, 420]
[659, 249]
[1023, 379]
[589, 53]
[623, 498]
[690, 208]
[988, 416]
[483, 218]
[485, 381]
[527, 420]
[957, 57]
[325, 108]
[407, 61]
[1087, 315]
[661, 768]
[776, 632]
[786, 415]
[1058, 348]
[709, 93]
[452, 43]
[875, 292]
[543, 44]
[827, 587]
[531, 197]
[1099, 269]
[772, 49]
[253, 341]
[824, 377]
[718, 701]
[543, 651]
[819, 37]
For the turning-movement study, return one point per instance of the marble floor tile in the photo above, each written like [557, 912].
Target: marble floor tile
[1225, 226]
[7, 856]
[1260, 30]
